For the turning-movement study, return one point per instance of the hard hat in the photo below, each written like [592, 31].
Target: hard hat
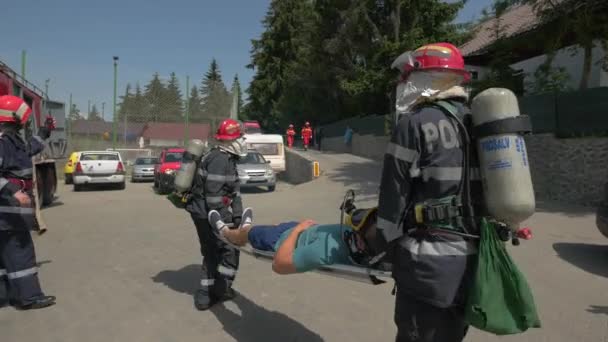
[228, 129]
[14, 109]
[437, 56]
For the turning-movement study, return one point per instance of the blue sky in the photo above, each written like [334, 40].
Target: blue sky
[72, 44]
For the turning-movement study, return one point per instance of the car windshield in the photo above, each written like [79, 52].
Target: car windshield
[172, 157]
[146, 161]
[266, 149]
[252, 158]
[99, 156]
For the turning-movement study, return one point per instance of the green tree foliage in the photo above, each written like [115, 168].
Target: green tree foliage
[236, 88]
[195, 107]
[154, 94]
[173, 101]
[328, 59]
[215, 98]
[75, 113]
[95, 115]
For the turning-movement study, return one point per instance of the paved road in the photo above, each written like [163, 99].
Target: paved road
[125, 263]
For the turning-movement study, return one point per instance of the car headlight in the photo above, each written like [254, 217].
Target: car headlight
[169, 171]
[269, 172]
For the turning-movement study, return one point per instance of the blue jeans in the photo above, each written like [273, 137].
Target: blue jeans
[265, 237]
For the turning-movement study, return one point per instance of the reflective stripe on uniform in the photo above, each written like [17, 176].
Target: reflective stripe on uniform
[22, 273]
[17, 210]
[2, 272]
[221, 178]
[439, 248]
[402, 153]
[207, 282]
[447, 173]
[22, 173]
[39, 139]
[3, 182]
[214, 199]
[226, 271]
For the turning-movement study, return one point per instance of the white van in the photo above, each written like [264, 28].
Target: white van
[271, 146]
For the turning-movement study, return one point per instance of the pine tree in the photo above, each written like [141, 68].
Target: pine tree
[195, 111]
[141, 111]
[173, 98]
[155, 92]
[215, 97]
[94, 115]
[126, 104]
[236, 88]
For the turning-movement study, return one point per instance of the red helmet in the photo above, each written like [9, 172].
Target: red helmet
[437, 56]
[14, 109]
[229, 129]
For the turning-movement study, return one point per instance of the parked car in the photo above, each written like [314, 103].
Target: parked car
[143, 169]
[601, 218]
[70, 167]
[256, 171]
[99, 167]
[169, 162]
[271, 146]
[252, 127]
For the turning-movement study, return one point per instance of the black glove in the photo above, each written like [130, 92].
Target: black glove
[44, 133]
[236, 220]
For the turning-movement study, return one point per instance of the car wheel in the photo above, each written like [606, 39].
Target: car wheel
[68, 179]
[122, 186]
[271, 188]
[78, 187]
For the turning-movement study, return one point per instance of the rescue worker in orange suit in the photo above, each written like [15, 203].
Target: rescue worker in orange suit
[424, 159]
[19, 285]
[306, 135]
[216, 187]
[291, 134]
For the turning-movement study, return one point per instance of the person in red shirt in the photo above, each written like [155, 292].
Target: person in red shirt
[291, 134]
[306, 135]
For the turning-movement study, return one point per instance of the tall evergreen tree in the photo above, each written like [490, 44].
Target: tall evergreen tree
[126, 104]
[155, 92]
[95, 115]
[173, 98]
[215, 97]
[195, 110]
[236, 89]
[141, 107]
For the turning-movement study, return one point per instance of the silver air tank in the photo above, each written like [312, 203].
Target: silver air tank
[185, 175]
[504, 165]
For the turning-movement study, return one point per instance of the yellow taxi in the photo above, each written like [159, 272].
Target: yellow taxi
[70, 166]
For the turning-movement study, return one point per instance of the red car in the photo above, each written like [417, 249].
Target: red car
[169, 162]
[252, 127]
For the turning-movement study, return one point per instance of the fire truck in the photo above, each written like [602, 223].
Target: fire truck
[12, 83]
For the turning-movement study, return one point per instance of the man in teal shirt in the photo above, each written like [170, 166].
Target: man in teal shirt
[298, 246]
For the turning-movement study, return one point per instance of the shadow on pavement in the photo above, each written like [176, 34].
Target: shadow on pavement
[255, 323]
[363, 177]
[590, 258]
[184, 280]
[569, 210]
[598, 309]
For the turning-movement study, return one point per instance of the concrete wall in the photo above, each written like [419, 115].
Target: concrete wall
[565, 170]
[165, 142]
[298, 168]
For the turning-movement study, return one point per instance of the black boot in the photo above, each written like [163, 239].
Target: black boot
[202, 300]
[37, 303]
[229, 294]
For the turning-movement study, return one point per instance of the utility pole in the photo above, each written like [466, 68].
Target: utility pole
[46, 87]
[23, 57]
[68, 121]
[187, 116]
[103, 110]
[89, 110]
[115, 118]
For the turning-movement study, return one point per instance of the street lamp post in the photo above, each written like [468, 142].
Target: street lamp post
[46, 88]
[114, 120]
[187, 116]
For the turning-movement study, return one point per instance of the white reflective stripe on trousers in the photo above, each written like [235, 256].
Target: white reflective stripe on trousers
[16, 210]
[207, 282]
[22, 273]
[226, 271]
[2, 272]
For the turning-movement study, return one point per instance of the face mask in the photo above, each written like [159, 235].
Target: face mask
[236, 147]
[420, 85]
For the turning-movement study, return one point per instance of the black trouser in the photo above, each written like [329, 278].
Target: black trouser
[18, 269]
[220, 261]
[422, 322]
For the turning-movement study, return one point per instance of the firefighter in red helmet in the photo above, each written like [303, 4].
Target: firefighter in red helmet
[306, 135]
[216, 187]
[19, 284]
[291, 134]
[424, 161]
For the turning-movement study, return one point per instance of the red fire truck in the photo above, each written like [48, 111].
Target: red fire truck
[12, 83]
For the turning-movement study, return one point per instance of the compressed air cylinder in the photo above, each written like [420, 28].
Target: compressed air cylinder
[185, 175]
[504, 166]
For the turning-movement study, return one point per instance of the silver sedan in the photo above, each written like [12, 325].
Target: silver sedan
[143, 169]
